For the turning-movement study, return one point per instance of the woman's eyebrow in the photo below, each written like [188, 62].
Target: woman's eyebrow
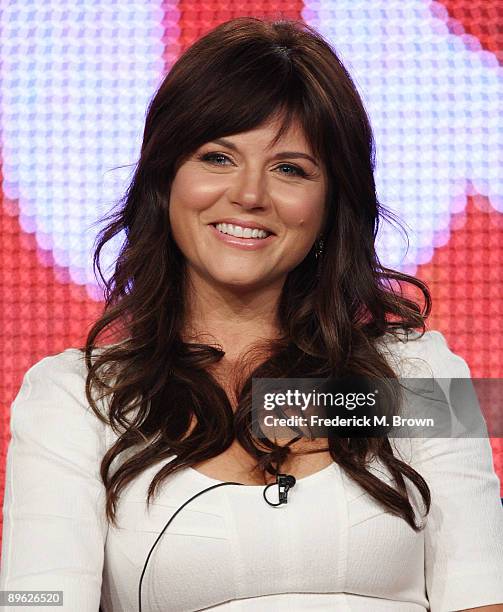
[282, 154]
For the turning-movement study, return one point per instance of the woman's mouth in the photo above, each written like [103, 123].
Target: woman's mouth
[241, 232]
[242, 237]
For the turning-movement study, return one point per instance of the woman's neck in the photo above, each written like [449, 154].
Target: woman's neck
[233, 319]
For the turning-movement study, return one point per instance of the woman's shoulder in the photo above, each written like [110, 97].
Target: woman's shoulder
[54, 387]
[69, 363]
[59, 373]
[415, 355]
[51, 410]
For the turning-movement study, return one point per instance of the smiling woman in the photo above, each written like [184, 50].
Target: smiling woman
[225, 189]
[249, 254]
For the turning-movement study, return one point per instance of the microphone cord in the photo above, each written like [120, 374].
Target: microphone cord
[284, 482]
[221, 484]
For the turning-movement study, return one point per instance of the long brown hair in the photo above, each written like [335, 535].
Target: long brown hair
[333, 309]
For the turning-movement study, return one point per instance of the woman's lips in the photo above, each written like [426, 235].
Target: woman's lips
[250, 244]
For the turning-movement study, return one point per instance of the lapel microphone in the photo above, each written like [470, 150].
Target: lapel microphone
[285, 482]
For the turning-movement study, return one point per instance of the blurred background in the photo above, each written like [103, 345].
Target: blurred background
[75, 83]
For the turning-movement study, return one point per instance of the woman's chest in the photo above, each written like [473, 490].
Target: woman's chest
[228, 543]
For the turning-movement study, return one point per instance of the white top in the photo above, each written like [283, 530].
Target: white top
[331, 547]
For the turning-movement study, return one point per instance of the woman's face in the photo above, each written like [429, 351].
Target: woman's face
[239, 181]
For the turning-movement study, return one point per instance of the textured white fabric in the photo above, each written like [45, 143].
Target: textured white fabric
[332, 547]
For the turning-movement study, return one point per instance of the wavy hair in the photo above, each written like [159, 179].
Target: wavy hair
[333, 309]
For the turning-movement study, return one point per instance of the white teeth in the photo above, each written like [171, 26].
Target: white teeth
[241, 232]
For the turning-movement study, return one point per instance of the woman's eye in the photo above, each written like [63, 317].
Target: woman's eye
[212, 157]
[296, 171]
[219, 159]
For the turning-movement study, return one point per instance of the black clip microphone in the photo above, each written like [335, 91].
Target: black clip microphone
[285, 482]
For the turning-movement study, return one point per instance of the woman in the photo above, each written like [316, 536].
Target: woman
[249, 252]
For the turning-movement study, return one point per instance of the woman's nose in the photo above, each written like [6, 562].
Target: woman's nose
[249, 188]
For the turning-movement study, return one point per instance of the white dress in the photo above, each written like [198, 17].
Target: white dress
[331, 547]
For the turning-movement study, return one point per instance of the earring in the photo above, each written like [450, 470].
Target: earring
[318, 248]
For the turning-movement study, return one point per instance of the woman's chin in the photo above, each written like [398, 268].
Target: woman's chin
[241, 281]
